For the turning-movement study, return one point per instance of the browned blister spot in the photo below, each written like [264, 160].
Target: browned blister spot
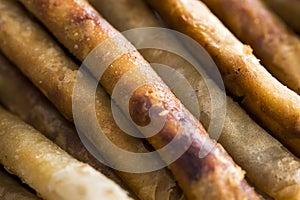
[139, 109]
[189, 164]
[167, 134]
[203, 166]
[80, 16]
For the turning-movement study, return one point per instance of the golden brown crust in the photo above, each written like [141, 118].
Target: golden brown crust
[234, 127]
[273, 43]
[81, 22]
[192, 172]
[273, 105]
[55, 73]
[53, 173]
[22, 98]
[123, 14]
[269, 166]
[51, 59]
[226, 180]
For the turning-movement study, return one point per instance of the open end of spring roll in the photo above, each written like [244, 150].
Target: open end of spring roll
[54, 74]
[48, 169]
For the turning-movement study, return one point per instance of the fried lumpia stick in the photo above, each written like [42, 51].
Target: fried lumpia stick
[23, 99]
[288, 10]
[50, 69]
[48, 169]
[268, 164]
[80, 28]
[199, 177]
[129, 20]
[274, 44]
[276, 107]
[10, 189]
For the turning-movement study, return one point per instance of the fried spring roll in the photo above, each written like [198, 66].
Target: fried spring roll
[10, 189]
[54, 73]
[111, 10]
[48, 169]
[270, 166]
[23, 99]
[274, 44]
[288, 10]
[276, 107]
[81, 29]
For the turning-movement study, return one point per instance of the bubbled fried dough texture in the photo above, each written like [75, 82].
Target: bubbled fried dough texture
[222, 178]
[276, 107]
[47, 74]
[273, 43]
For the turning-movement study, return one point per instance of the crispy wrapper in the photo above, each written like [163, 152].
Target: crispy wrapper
[274, 44]
[21, 97]
[123, 14]
[10, 189]
[288, 10]
[53, 173]
[80, 28]
[270, 166]
[273, 105]
[54, 74]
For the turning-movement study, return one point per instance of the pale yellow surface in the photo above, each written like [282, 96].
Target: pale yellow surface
[49, 170]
